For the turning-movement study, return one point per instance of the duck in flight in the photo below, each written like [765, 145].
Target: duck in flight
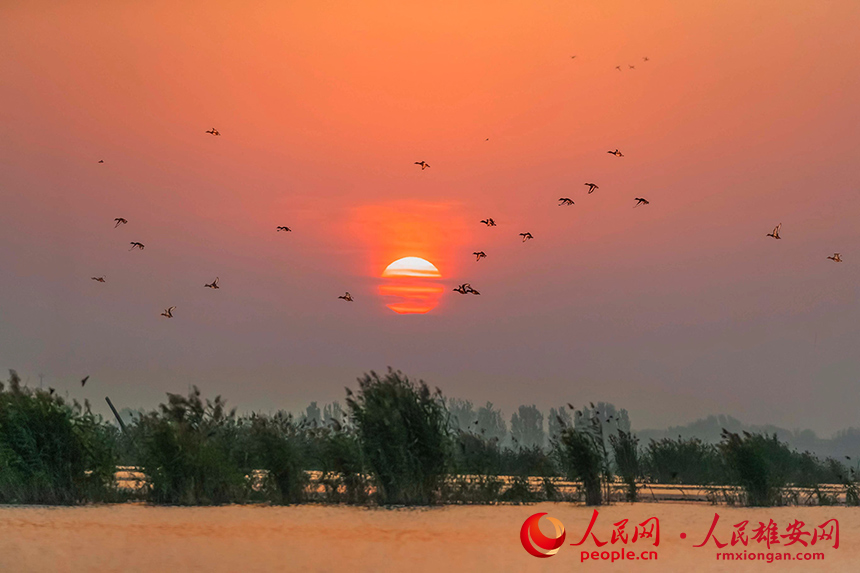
[836, 258]
[424, 165]
[101, 160]
[213, 284]
[631, 67]
[168, 312]
[645, 59]
[592, 186]
[618, 68]
[136, 245]
[489, 222]
[565, 201]
[214, 131]
[616, 153]
[284, 229]
[84, 381]
[99, 279]
[775, 233]
[347, 297]
[526, 236]
[466, 288]
[120, 221]
[479, 255]
[641, 201]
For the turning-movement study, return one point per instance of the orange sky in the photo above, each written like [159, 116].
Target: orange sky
[745, 116]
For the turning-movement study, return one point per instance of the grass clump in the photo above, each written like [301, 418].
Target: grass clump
[190, 452]
[403, 430]
[759, 464]
[625, 449]
[52, 452]
[580, 457]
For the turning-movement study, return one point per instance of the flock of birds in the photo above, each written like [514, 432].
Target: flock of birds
[464, 288]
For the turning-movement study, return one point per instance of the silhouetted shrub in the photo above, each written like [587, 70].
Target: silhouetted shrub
[279, 448]
[52, 452]
[684, 461]
[403, 430]
[625, 450]
[580, 456]
[190, 452]
[758, 464]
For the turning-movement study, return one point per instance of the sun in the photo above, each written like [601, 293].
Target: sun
[412, 286]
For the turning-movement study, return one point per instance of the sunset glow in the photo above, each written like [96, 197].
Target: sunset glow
[412, 287]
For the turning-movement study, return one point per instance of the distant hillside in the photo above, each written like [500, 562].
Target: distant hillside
[843, 443]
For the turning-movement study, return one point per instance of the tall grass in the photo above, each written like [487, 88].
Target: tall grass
[52, 452]
[404, 435]
[625, 449]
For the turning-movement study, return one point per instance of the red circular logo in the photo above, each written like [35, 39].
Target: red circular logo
[538, 544]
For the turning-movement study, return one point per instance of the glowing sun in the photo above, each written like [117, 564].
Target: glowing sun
[412, 285]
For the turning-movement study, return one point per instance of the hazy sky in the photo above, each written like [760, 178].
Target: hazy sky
[745, 116]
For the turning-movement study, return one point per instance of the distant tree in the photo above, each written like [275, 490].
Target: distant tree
[490, 423]
[527, 427]
[312, 416]
[333, 412]
[462, 414]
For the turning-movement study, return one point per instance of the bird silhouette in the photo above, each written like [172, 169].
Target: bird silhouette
[836, 257]
[616, 153]
[168, 312]
[645, 59]
[136, 245]
[565, 201]
[526, 236]
[641, 201]
[569, 405]
[101, 160]
[99, 279]
[120, 221]
[213, 284]
[631, 67]
[466, 288]
[424, 165]
[284, 229]
[347, 297]
[592, 186]
[489, 222]
[618, 68]
[480, 255]
[214, 131]
[51, 391]
[84, 381]
[775, 233]
[573, 57]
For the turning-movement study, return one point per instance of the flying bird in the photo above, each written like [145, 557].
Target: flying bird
[836, 258]
[101, 160]
[592, 186]
[641, 201]
[631, 67]
[284, 229]
[618, 68]
[347, 297]
[616, 153]
[99, 279]
[120, 221]
[565, 201]
[135, 244]
[466, 288]
[480, 255]
[526, 236]
[572, 57]
[424, 165]
[214, 131]
[775, 233]
[84, 381]
[489, 222]
[645, 59]
[213, 284]
[169, 312]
